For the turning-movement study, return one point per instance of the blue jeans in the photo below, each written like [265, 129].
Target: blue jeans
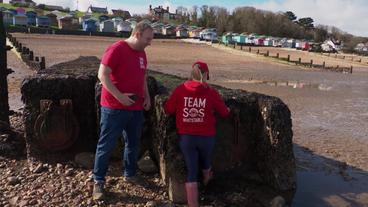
[196, 150]
[113, 123]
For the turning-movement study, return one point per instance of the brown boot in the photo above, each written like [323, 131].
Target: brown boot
[192, 194]
[98, 191]
[207, 176]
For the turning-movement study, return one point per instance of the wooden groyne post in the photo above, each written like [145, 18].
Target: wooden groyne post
[4, 72]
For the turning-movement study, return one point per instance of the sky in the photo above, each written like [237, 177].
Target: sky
[348, 15]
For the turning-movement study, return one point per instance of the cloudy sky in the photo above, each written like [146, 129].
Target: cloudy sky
[348, 15]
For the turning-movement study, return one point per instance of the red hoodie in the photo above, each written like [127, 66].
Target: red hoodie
[194, 104]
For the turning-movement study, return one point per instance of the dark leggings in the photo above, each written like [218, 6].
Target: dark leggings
[196, 150]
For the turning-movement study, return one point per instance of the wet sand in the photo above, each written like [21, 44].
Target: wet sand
[15, 79]
[329, 109]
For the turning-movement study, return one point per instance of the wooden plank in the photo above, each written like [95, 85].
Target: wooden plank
[4, 99]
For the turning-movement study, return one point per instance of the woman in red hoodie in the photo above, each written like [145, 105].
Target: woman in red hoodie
[194, 104]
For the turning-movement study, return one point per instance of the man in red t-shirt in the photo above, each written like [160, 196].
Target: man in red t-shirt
[124, 95]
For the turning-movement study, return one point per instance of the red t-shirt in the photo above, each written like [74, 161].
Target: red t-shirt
[194, 104]
[128, 67]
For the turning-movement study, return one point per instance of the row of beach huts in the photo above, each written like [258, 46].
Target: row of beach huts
[260, 40]
[329, 45]
[103, 23]
[184, 31]
[106, 23]
[89, 23]
[210, 34]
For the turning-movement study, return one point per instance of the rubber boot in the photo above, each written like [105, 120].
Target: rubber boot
[192, 194]
[207, 176]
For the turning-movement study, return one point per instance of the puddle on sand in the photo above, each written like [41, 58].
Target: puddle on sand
[292, 84]
[325, 182]
[319, 189]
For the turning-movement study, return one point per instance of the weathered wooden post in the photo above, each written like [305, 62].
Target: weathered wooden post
[43, 63]
[4, 72]
[311, 63]
[31, 56]
[19, 49]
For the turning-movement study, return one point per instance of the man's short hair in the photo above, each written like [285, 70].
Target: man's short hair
[141, 27]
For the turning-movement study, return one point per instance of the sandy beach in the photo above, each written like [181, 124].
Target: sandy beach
[329, 109]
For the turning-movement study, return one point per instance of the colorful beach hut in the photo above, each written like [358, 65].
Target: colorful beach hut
[43, 21]
[31, 18]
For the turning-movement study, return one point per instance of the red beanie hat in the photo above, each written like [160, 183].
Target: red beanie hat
[203, 67]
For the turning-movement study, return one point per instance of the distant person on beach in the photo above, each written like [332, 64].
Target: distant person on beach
[124, 95]
[194, 103]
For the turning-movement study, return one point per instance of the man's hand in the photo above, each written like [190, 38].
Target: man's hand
[125, 100]
[147, 103]
[103, 75]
